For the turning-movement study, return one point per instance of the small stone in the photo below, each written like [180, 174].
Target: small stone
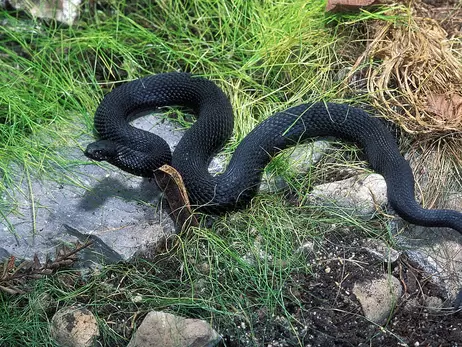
[167, 330]
[381, 250]
[137, 299]
[347, 5]
[363, 194]
[433, 303]
[301, 158]
[272, 184]
[307, 247]
[65, 11]
[74, 327]
[378, 297]
[305, 155]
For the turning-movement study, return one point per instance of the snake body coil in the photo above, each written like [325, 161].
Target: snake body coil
[140, 152]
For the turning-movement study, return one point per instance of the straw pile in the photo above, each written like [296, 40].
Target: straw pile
[416, 79]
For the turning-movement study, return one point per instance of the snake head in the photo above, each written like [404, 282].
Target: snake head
[101, 150]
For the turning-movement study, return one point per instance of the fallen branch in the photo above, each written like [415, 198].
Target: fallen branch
[15, 276]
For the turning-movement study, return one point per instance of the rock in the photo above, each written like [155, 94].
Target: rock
[437, 251]
[272, 183]
[257, 254]
[378, 298]
[362, 194]
[74, 327]
[305, 155]
[347, 5]
[433, 303]
[65, 11]
[307, 248]
[167, 330]
[381, 250]
[301, 157]
[119, 212]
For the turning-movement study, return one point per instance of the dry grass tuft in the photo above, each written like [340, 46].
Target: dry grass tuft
[414, 77]
[418, 79]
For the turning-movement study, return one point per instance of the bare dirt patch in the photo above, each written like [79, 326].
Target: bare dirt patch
[324, 312]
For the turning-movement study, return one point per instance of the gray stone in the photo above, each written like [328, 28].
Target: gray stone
[361, 194]
[307, 247]
[65, 11]
[433, 303]
[305, 155]
[74, 327]
[378, 298]
[438, 251]
[272, 184]
[119, 212]
[381, 250]
[167, 330]
[118, 209]
[300, 159]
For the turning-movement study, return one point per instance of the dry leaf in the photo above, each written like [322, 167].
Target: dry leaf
[10, 265]
[170, 181]
[448, 106]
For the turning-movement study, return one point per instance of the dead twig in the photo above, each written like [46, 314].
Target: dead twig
[14, 275]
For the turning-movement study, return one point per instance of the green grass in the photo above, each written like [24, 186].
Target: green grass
[225, 275]
[266, 55]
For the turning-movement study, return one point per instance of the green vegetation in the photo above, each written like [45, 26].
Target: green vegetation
[238, 275]
[266, 55]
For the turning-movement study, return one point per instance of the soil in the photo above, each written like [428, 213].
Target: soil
[326, 313]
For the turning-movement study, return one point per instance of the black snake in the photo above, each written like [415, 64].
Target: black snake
[140, 152]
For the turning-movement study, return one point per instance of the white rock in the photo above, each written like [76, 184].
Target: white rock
[305, 155]
[167, 330]
[74, 327]
[381, 250]
[438, 252]
[378, 298]
[363, 194]
[301, 157]
[307, 247]
[65, 11]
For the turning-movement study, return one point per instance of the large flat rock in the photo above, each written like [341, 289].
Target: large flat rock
[121, 213]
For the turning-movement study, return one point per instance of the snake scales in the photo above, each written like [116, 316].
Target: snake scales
[140, 152]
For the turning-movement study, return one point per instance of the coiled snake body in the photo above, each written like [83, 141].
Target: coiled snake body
[140, 152]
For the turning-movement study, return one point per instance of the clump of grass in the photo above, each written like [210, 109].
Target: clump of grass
[23, 319]
[265, 56]
[418, 71]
